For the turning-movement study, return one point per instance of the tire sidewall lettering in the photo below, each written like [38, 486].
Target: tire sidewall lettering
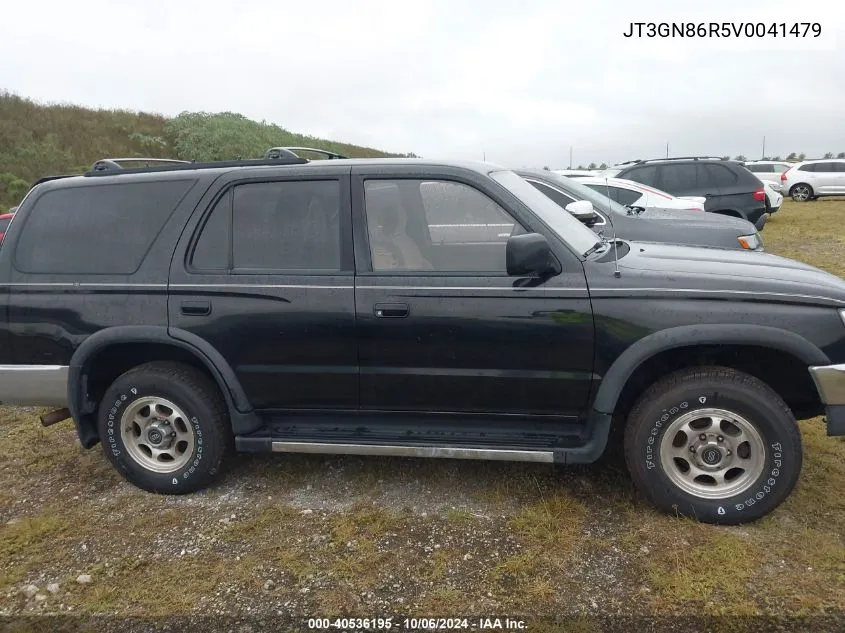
[767, 483]
[114, 443]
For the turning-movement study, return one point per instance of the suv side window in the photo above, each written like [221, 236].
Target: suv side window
[808, 167]
[761, 169]
[714, 175]
[417, 225]
[279, 226]
[678, 177]
[839, 167]
[96, 229]
[646, 175]
[826, 167]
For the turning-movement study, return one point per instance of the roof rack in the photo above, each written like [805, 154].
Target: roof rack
[275, 153]
[114, 163]
[111, 167]
[654, 160]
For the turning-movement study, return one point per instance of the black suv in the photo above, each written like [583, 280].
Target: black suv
[179, 312]
[729, 187]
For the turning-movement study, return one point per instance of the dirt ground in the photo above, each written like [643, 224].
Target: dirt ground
[286, 536]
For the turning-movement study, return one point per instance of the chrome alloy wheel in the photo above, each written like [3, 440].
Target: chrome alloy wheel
[712, 453]
[157, 434]
[801, 193]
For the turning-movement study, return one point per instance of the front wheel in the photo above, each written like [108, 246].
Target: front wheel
[713, 444]
[164, 426]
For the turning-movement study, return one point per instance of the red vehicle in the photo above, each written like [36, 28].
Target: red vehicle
[5, 218]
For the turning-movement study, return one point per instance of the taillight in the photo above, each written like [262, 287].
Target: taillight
[760, 195]
[783, 176]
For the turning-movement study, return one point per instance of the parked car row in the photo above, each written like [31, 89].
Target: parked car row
[179, 312]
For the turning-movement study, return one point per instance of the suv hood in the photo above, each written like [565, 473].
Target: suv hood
[698, 219]
[675, 268]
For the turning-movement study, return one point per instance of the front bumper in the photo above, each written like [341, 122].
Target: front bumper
[830, 383]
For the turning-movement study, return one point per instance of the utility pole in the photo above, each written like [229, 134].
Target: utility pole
[570, 157]
[667, 149]
[764, 149]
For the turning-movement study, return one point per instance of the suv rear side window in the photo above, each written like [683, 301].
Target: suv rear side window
[96, 229]
[714, 175]
[280, 226]
[676, 178]
[646, 175]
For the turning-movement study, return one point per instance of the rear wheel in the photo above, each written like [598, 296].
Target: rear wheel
[164, 426]
[801, 192]
[714, 444]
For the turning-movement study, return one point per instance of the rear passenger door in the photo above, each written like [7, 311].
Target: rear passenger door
[839, 180]
[826, 178]
[264, 273]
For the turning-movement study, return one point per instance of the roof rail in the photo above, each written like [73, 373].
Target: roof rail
[288, 152]
[186, 166]
[654, 160]
[106, 164]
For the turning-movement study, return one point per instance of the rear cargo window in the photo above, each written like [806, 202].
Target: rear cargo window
[105, 229]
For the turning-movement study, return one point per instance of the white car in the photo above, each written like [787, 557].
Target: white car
[633, 194]
[768, 171]
[812, 179]
[773, 195]
[574, 172]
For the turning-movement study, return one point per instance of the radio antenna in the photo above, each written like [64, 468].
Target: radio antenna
[616, 272]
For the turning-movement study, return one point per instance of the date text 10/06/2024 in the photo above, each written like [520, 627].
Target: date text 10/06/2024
[418, 624]
[723, 29]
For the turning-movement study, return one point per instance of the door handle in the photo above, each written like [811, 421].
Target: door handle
[196, 308]
[391, 310]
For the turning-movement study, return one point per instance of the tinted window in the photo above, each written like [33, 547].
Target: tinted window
[825, 167]
[760, 169]
[212, 249]
[625, 196]
[714, 176]
[105, 229]
[286, 225]
[840, 167]
[678, 178]
[646, 175]
[550, 192]
[435, 225]
[808, 167]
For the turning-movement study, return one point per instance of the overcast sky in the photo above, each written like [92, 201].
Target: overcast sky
[519, 81]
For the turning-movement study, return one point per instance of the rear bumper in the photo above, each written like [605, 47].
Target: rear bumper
[34, 385]
[830, 383]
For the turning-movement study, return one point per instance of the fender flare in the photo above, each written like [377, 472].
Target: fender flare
[83, 412]
[627, 363]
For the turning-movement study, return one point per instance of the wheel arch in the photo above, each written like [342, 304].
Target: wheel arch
[175, 344]
[623, 368]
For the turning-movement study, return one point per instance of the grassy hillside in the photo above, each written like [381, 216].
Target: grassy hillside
[38, 139]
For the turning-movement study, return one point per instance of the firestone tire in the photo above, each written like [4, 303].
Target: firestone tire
[164, 426]
[713, 444]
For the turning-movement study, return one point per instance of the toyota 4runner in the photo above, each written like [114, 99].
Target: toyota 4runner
[179, 312]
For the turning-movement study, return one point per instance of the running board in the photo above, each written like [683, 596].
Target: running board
[448, 452]
[483, 439]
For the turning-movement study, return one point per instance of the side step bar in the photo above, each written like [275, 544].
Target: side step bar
[448, 452]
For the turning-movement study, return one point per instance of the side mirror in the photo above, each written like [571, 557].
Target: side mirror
[583, 210]
[530, 254]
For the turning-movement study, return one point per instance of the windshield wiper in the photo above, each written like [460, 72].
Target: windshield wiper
[597, 246]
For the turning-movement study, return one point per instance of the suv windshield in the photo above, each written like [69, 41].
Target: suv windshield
[568, 228]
